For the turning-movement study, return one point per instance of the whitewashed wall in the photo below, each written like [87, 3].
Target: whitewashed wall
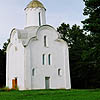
[32, 16]
[21, 60]
[57, 49]
[15, 63]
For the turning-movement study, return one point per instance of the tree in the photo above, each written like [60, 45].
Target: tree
[2, 68]
[3, 64]
[92, 25]
[92, 10]
[5, 45]
[76, 39]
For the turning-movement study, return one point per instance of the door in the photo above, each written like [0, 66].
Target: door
[47, 82]
[14, 83]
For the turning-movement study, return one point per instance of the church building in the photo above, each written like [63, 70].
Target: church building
[37, 58]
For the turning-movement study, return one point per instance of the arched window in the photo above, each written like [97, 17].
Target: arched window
[33, 71]
[45, 41]
[43, 59]
[59, 72]
[49, 59]
[39, 19]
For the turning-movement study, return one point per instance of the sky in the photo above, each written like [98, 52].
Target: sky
[12, 14]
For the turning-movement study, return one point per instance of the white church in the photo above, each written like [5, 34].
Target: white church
[37, 58]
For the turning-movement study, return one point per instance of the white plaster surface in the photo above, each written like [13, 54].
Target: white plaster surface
[25, 52]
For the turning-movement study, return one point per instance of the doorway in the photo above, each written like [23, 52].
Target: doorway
[14, 83]
[47, 82]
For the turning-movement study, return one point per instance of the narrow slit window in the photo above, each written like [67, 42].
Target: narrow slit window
[45, 41]
[59, 72]
[43, 59]
[39, 19]
[49, 59]
[33, 71]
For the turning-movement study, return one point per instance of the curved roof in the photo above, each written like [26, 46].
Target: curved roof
[35, 4]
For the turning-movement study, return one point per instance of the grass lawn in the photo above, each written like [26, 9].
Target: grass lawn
[51, 95]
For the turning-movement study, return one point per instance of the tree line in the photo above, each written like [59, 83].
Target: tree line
[84, 49]
[3, 64]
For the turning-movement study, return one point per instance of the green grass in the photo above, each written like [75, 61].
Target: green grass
[51, 95]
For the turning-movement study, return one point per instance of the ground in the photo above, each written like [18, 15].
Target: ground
[51, 95]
